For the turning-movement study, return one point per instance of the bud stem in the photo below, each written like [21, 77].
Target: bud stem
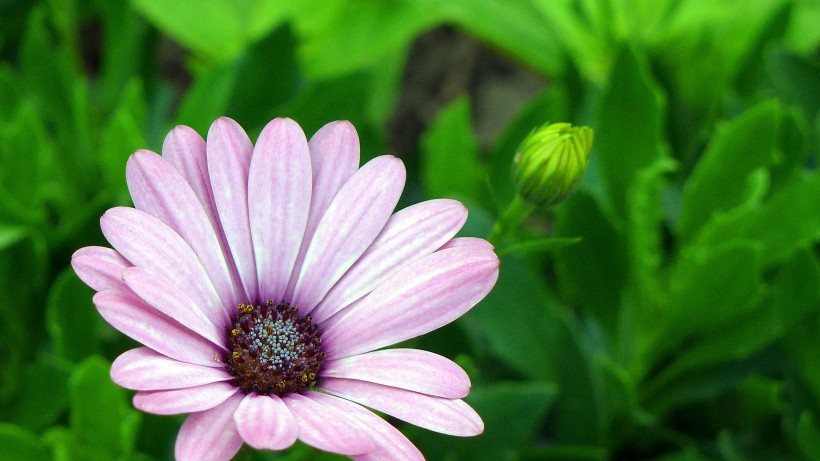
[518, 210]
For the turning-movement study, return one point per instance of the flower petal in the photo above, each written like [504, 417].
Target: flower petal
[158, 189]
[100, 268]
[141, 322]
[425, 295]
[184, 148]
[143, 369]
[472, 242]
[148, 242]
[351, 223]
[410, 369]
[265, 422]
[411, 233]
[334, 157]
[391, 445]
[229, 153]
[447, 416]
[328, 427]
[210, 435]
[279, 188]
[165, 297]
[187, 400]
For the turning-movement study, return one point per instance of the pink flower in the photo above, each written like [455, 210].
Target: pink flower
[264, 282]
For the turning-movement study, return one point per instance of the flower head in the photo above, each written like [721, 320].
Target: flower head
[264, 282]
[550, 162]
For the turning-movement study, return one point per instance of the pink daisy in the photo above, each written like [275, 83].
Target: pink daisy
[264, 282]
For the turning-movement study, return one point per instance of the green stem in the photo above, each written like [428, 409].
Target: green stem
[515, 214]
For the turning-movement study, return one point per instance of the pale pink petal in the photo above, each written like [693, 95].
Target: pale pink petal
[100, 268]
[472, 242]
[410, 234]
[141, 322]
[148, 242]
[328, 427]
[265, 422]
[334, 157]
[410, 369]
[425, 295]
[279, 188]
[143, 369]
[158, 189]
[391, 445]
[351, 223]
[210, 435]
[165, 297]
[447, 416]
[185, 149]
[229, 153]
[187, 400]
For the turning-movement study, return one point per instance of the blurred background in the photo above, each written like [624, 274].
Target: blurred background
[684, 325]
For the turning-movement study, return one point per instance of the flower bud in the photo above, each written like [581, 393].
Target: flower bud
[550, 162]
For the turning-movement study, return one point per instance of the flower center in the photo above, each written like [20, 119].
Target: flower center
[273, 350]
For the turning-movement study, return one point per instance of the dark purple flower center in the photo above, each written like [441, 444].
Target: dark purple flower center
[273, 350]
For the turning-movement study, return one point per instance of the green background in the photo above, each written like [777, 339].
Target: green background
[684, 325]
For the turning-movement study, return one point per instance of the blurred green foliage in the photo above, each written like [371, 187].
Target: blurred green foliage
[677, 318]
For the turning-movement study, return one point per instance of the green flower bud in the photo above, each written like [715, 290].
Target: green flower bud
[550, 162]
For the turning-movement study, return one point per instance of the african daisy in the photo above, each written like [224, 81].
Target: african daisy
[264, 282]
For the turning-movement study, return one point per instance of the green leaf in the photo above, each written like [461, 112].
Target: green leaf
[593, 274]
[20, 445]
[248, 87]
[516, 28]
[43, 394]
[628, 127]
[512, 413]
[124, 36]
[790, 219]
[343, 37]
[101, 414]
[721, 178]
[66, 447]
[449, 154]
[709, 287]
[71, 320]
[217, 29]
[796, 295]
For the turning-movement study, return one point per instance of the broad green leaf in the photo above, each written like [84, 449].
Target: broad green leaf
[66, 446]
[808, 436]
[803, 35]
[19, 444]
[592, 274]
[628, 128]
[247, 88]
[449, 154]
[345, 37]
[217, 29]
[71, 319]
[42, 397]
[709, 286]
[125, 36]
[589, 53]
[789, 220]
[512, 413]
[101, 414]
[516, 28]
[795, 79]
[720, 179]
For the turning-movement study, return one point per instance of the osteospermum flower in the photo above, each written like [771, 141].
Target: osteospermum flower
[264, 282]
